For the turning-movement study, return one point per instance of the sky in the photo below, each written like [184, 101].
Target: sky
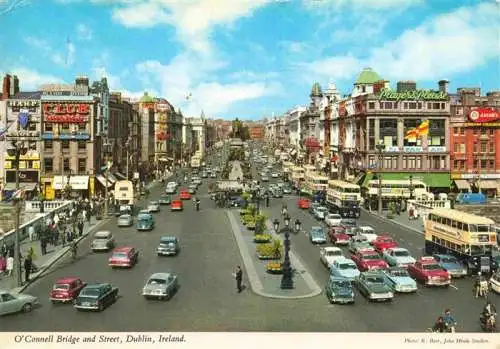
[249, 58]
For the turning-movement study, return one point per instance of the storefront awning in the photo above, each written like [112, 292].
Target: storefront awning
[119, 175]
[462, 184]
[76, 182]
[102, 180]
[487, 184]
[25, 186]
[432, 179]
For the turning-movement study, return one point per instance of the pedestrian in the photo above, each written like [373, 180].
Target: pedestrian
[239, 277]
[62, 235]
[43, 245]
[5, 250]
[80, 228]
[28, 264]
[10, 265]
[31, 232]
[69, 235]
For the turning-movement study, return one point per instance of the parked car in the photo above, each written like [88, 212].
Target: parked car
[368, 260]
[123, 257]
[317, 235]
[399, 280]
[338, 236]
[383, 242]
[177, 205]
[169, 246]
[398, 257]
[96, 297]
[286, 189]
[192, 189]
[125, 220]
[14, 303]
[264, 179]
[427, 271]
[154, 206]
[371, 284]
[160, 286]
[303, 203]
[339, 290]
[184, 195]
[451, 264]
[320, 212]
[333, 219]
[345, 268]
[145, 221]
[328, 255]
[165, 200]
[103, 241]
[66, 289]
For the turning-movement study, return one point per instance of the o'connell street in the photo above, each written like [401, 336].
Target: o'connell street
[249, 166]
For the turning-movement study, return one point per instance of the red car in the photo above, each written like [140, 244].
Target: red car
[66, 289]
[383, 242]
[303, 203]
[368, 260]
[123, 257]
[338, 236]
[427, 271]
[184, 195]
[176, 205]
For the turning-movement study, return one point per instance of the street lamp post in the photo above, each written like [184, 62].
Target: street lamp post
[106, 170]
[411, 188]
[16, 150]
[287, 279]
[380, 148]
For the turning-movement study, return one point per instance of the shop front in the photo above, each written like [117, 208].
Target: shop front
[28, 181]
[76, 187]
[486, 183]
[435, 181]
[101, 179]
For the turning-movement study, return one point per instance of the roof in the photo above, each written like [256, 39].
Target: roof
[316, 90]
[27, 95]
[96, 285]
[461, 216]
[332, 248]
[123, 249]
[67, 280]
[146, 98]
[343, 184]
[160, 275]
[367, 76]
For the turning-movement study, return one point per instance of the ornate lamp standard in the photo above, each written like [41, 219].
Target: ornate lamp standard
[380, 148]
[287, 279]
[411, 187]
[16, 150]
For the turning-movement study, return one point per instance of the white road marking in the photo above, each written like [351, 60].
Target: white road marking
[453, 286]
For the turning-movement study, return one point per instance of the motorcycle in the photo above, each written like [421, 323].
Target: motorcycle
[488, 322]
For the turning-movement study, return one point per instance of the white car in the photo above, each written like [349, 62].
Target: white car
[328, 255]
[368, 232]
[333, 219]
[13, 303]
[274, 175]
[320, 212]
[154, 206]
[495, 282]
[264, 179]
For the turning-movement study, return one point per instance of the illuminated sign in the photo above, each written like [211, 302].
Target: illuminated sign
[24, 176]
[148, 105]
[484, 115]
[486, 124]
[413, 149]
[71, 113]
[415, 95]
[436, 149]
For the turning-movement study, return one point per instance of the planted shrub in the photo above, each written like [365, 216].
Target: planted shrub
[274, 268]
[271, 250]
[262, 238]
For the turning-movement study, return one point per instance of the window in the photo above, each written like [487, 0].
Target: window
[474, 147]
[418, 162]
[47, 145]
[455, 130]
[82, 127]
[429, 105]
[405, 105]
[363, 89]
[371, 162]
[82, 145]
[32, 145]
[419, 105]
[456, 164]
[388, 123]
[413, 141]
[371, 135]
[436, 162]
[388, 105]
[456, 147]
[437, 141]
[492, 147]
[82, 165]
[32, 126]
[65, 127]
[492, 164]
[483, 147]
[66, 165]
[436, 105]
[371, 105]
[462, 131]
[48, 128]
[413, 105]
[387, 162]
[483, 163]
[492, 132]
[65, 144]
[483, 131]
[462, 148]
[47, 164]
[409, 162]
[476, 163]
[443, 105]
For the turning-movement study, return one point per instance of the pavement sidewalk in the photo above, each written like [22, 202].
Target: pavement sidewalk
[403, 220]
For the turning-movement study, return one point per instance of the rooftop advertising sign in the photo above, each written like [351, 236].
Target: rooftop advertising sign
[415, 95]
[484, 115]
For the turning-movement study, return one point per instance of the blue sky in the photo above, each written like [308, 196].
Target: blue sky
[249, 58]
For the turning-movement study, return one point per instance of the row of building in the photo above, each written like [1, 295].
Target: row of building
[69, 134]
[375, 129]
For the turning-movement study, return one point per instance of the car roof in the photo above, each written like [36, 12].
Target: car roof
[168, 238]
[159, 276]
[398, 249]
[103, 233]
[332, 248]
[125, 216]
[96, 285]
[67, 280]
[338, 278]
[372, 273]
[123, 249]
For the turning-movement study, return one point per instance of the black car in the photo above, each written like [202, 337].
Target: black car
[96, 297]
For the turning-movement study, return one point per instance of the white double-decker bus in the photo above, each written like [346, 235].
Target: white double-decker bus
[314, 183]
[297, 175]
[344, 197]
[392, 189]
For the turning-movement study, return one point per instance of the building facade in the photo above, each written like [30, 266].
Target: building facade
[475, 141]
[255, 130]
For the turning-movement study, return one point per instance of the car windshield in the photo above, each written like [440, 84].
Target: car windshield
[61, 287]
[143, 217]
[318, 232]
[371, 256]
[120, 255]
[342, 284]
[449, 260]
[431, 266]
[375, 280]
[93, 292]
[401, 253]
[334, 253]
[101, 237]
[347, 266]
[157, 282]
[322, 209]
[167, 240]
[399, 273]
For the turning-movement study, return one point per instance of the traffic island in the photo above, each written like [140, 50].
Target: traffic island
[262, 256]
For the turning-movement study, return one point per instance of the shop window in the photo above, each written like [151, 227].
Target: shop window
[82, 145]
[48, 164]
[418, 162]
[456, 147]
[483, 131]
[65, 144]
[412, 105]
[82, 165]
[66, 165]
[47, 145]
[49, 128]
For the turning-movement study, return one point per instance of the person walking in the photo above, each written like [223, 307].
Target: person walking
[31, 233]
[5, 250]
[10, 265]
[28, 264]
[239, 278]
[80, 227]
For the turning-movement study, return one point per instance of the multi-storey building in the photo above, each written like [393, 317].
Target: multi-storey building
[475, 141]
[188, 141]
[120, 116]
[147, 159]
[375, 114]
[199, 133]
[292, 122]
[255, 130]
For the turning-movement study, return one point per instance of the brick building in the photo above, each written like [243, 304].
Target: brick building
[475, 141]
[255, 130]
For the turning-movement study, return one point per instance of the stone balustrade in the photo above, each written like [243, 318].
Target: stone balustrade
[35, 206]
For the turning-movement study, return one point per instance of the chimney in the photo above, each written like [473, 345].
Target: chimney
[6, 87]
[403, 86]
[443, 86]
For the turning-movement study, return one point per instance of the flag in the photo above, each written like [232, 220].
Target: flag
[18, 194]
[423, 128]
[411, 133]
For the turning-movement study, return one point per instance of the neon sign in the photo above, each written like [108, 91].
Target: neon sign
[415, 95]
[70, 113]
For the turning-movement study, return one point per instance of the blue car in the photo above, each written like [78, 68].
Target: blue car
[399, 280]
[344, 268]
[317, 235]
[145, 221]
[451, 264]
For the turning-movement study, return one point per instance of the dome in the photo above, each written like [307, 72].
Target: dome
[147, 98]
[316, 90]
[368, 76]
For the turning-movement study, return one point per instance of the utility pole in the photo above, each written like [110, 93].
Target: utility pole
[380, 147]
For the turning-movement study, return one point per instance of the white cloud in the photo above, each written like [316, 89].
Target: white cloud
[359, 4]
[32, 80]
[63, 59]
[83, 32]
[37, 43]
[447, 44]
